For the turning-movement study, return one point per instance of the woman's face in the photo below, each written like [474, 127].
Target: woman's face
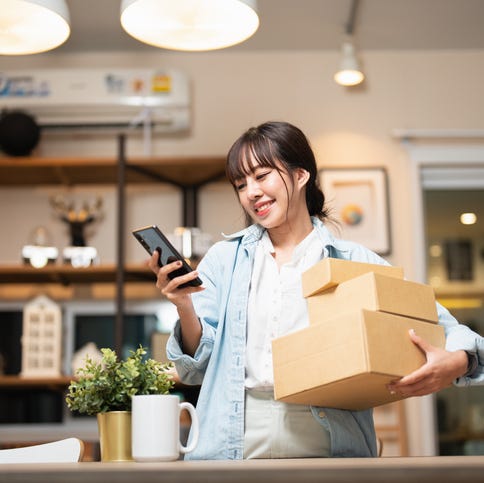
[271, 197]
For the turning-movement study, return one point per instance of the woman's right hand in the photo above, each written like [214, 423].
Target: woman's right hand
[170, 288]
[191, 329]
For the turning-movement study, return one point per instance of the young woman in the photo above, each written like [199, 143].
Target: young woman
[252, 294]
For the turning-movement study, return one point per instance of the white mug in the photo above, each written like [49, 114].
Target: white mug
[155, 427]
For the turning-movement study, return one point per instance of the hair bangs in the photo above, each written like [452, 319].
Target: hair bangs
[248, 154]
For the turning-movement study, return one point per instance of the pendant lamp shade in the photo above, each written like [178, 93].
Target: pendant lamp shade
[349, 73]
[192, 25]
[32, 26]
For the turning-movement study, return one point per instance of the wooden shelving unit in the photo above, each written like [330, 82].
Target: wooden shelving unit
[54, 383]
[461, 436]
[67, 275]
[188, 173]
[182, 171]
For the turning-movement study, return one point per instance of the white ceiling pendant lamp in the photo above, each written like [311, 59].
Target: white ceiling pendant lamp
[191, 25]
[349, 72]
[32, 26]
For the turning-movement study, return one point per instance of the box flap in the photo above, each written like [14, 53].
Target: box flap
[374, 291]
[329, 272]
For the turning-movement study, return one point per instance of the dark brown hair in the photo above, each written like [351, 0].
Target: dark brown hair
[273, 144]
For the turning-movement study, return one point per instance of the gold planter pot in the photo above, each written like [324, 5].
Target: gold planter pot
[115, 435]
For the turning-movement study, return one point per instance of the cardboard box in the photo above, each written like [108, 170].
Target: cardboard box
[347, 361]
[374, 291]
[330, 272]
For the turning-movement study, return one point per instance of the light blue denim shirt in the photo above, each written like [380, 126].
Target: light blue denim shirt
[219, 361]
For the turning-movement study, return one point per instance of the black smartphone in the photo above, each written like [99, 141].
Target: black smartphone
[153, 240]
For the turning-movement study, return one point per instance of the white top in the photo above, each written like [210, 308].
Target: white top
[276, 306]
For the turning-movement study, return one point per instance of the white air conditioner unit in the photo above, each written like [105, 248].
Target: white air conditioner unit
[86, 99]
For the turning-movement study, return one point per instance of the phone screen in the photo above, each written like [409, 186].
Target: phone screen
[153, 240]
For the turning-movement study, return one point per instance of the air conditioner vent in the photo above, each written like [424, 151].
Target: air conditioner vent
[97, 99]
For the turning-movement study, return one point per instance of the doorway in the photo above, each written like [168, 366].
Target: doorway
[453, 210]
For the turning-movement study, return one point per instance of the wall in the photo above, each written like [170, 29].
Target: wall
[347, 127]
[233, 90]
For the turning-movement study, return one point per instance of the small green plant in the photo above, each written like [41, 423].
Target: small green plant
[109, 384]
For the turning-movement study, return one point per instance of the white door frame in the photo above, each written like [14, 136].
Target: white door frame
[421, 420]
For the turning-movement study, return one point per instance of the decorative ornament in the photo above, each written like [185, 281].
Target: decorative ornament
[41, 338]
[78, 253]
[39, 253]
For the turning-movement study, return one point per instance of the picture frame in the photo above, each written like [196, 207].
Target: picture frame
[357, 200]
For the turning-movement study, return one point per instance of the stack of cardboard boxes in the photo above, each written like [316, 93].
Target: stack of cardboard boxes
[358, 339]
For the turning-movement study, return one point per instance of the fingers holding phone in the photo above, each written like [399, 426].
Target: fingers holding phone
[174, 276]
[172, 281]
[154, 241]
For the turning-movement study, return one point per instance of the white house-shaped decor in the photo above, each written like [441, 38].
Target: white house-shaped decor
[41, 338]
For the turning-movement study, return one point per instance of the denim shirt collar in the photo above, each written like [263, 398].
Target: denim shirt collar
[253, 234]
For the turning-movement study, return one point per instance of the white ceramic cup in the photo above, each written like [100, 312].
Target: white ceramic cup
[155, 427]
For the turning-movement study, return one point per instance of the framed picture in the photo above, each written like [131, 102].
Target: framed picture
[358, 200]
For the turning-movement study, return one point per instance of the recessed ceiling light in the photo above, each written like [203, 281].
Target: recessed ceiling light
[468, 218]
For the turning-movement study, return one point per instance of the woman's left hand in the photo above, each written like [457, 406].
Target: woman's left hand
[440, 370]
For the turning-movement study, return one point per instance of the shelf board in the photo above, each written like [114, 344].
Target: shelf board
[461, 436]
[181, 171]
[15, 381]
[66, 274]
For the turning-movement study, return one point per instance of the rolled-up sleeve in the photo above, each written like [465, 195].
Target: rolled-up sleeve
[461, 337]
[191, 369]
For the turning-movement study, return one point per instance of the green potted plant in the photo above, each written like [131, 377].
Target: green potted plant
[105, 389]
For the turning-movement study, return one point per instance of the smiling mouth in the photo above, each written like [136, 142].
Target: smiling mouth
[264, 207]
